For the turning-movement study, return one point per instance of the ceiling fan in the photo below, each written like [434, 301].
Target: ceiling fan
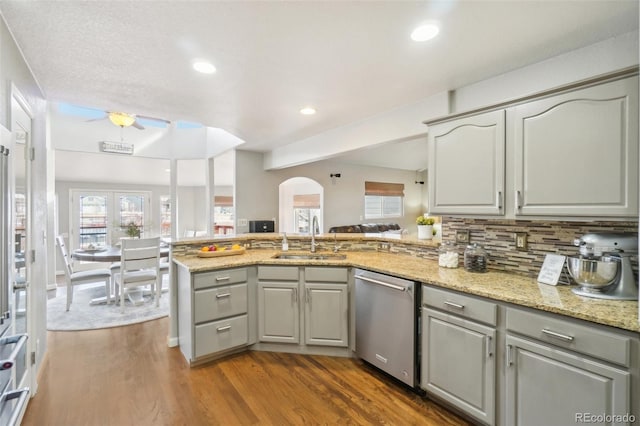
[123, 119]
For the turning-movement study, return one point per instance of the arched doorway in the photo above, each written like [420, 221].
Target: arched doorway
[301, 199]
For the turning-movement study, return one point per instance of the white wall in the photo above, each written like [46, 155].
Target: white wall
[257, 190]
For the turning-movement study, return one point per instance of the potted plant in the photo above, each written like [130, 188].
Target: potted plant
[425, 227]
[132, 230]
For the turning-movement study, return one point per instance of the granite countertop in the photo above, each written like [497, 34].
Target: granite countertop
[499, 286]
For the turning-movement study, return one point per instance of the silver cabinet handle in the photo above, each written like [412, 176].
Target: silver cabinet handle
[518, 202]
[225, 328]
[19, 340]
[308, 296]
[382, 283]
[509, 359]
[489, 347]
[220, 296]
[500, 200]
[454, 305]
[225, 278]
[294, 295]
[557, 335]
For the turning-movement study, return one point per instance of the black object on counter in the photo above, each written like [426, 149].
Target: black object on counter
[262, 226]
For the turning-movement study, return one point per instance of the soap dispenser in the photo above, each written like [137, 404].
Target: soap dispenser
[285, 243]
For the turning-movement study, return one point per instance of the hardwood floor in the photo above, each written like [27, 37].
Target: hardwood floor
[128, 376]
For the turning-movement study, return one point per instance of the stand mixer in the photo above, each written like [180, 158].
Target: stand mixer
[603, 269]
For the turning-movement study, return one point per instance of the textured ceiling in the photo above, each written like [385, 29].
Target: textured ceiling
[350, 59]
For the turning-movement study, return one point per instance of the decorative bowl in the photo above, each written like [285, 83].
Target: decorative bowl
[594, 273]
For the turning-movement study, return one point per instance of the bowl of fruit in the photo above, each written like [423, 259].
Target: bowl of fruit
[215, 250]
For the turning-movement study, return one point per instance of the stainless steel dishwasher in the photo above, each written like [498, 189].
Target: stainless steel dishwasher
[387, 324]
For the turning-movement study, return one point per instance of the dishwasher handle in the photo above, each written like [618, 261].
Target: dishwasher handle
[382, 283]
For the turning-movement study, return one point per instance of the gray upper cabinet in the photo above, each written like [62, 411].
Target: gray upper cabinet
[576, 153]
[571, 154]
[466, 165]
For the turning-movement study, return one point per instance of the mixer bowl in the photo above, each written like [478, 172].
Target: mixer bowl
[594, 273]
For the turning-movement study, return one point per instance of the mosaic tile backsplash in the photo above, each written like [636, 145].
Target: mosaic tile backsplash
[544, 237]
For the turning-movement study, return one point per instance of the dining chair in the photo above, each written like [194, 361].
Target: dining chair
[139, 266]
[82, 277]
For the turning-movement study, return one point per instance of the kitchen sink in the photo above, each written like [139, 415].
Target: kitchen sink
[310, 256]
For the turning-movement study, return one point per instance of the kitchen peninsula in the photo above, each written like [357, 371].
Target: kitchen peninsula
[416, 260]
[510, 333]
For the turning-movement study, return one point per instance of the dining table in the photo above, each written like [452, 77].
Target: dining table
[112, 254]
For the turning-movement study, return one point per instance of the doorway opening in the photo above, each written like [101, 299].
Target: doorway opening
[301, 199]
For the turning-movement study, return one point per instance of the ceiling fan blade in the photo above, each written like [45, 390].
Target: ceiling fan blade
[137, 125]
[96, 119]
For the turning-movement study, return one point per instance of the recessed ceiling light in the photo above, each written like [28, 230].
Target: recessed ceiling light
[204, 67]
[425, 32]
[308, 111]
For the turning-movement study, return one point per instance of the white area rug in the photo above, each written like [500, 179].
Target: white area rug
[83, 316]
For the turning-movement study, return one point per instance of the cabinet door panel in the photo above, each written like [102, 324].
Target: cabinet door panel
[279, 319]
[577, 153]
[326, 314]
[458, 363]
[552, 387]
[466, 165]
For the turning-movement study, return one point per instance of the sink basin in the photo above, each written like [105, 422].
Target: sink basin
[310, 256]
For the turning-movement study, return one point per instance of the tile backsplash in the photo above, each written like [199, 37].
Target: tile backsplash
[544, 237]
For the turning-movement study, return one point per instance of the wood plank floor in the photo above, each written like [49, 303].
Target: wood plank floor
[128, 376]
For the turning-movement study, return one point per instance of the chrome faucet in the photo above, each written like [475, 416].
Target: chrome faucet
[314, 224]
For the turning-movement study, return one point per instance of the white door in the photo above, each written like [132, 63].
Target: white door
[103, 217]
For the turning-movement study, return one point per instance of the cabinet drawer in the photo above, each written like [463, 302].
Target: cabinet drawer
[219, 302]
[286, 273]
[567, 334]
[459, 304]
[210, 279]
[220, 335]
[327, 275]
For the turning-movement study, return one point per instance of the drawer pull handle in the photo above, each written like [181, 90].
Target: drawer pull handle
[454, 305]
[220, 296]
[557, 335]
[226, 278]
[225, 328]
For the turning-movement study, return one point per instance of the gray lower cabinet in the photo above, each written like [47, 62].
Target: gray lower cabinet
[293, 299]
[212, 312]
[458, 360]
[559, 372]
[278, 312]
[326, 309]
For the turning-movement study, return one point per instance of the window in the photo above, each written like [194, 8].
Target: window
[102, 217]
[223, 214]
[305, 207]
[165, 216]
[383, 200]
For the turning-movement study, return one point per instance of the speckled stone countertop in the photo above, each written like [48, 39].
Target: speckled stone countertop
[499, 286]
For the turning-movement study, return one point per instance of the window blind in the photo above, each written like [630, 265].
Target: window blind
[384, 189]
[310, 201]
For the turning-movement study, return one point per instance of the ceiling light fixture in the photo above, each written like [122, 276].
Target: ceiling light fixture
[425, 32]
[122, 119]
[308, 111]
[204, 67]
